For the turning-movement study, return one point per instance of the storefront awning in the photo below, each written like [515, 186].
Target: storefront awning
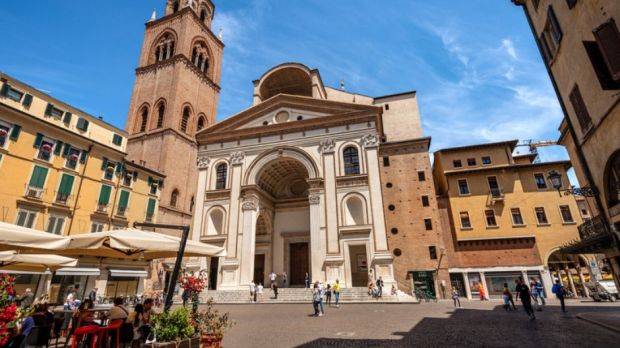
[76, 271]
[128, 273]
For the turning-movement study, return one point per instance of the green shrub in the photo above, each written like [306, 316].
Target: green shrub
[173, 326]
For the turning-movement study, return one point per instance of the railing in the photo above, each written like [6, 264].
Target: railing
[149, 218]
[34, 192]
[593, 228]
[121, 211]
[102, 208]
[496, 193]
[62, 198]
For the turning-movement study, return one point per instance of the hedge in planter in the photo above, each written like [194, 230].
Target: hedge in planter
[173, 327]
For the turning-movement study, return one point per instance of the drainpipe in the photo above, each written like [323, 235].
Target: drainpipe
[116, 189]
[77, 194]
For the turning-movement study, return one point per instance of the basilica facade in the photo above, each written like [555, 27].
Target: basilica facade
[293, 183]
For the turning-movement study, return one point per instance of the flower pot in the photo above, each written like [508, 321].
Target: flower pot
[187, 343]
[210, 341]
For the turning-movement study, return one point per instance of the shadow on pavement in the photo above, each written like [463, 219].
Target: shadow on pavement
[493, 328]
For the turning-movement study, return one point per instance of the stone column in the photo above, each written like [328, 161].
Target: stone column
[370, 143]
[168, 50]
[202, 162]
[317, 254]
[467, 288]
[331, 204]
[526, 279]
[248, 240]
[570, 280]
[545, 277]
[236, 160]
[483, 281]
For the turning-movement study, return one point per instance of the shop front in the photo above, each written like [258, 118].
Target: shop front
[491, 280]
[424, 281]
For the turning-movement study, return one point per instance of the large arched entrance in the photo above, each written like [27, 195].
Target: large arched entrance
[283, 222]
[571, 270]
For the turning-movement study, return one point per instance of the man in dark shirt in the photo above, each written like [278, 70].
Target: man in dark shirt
[523, 293]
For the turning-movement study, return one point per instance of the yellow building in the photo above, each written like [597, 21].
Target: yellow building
[64, 171]
[504, 214]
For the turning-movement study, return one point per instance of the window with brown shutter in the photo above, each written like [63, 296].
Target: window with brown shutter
[580, 109]
[608, 40]
[600, 67]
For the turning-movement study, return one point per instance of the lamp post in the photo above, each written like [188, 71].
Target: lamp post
[556, 181]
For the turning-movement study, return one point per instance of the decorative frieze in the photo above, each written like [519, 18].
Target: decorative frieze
[327, 146]
[202, 162]
[370, 140]
[236, 158]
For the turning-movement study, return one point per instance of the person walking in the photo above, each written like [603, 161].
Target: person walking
[315, 299]
[284, 279]
[321, 295]
[526, 298]
[92, 295]
[540, 290]
[559, 291]
[328, 295]
[455, 297]
[507, 297]
[380, 287]
[481, 291]
[272, 277]
[274, 288]
[259, 290]
[252, 291]
[307, 281]
[185, 297]
[337, 293]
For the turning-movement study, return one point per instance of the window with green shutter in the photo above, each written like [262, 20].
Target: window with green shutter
[67, 117]
[123, 202]
[150, 209]
[82, 124]
[27, 100]
[117, 139]
[58, 147]
[15, 132]
[38, 177]
[38, 140]
[64, 190]
[104, 195]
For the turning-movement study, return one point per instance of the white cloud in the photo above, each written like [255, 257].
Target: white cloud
[509, 47]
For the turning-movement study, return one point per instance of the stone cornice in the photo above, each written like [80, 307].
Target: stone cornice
[406, 146]
[178, 58]
[161, 131]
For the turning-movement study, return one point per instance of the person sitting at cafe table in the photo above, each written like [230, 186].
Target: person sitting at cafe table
[118, 311]
[148, 310]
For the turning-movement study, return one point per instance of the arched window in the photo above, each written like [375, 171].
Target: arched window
[200, 57]
[160, 114]
[613, 180]
[351, 161]
[174, 197]
[185, 119]
[203, 16]
[201, 124]
[144, 119]
[165, 48]
[175, 7]
[220, 176]
[354, 211]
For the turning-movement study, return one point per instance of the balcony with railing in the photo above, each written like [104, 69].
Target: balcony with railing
[102, 207]
[495, 195]
[593, 228]
[121, 211]
[62, 198]
[34, 192]
[595, 237]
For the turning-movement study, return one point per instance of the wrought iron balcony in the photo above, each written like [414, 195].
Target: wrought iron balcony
[34, 192]
[496, 194]
[102, 208]
[593, 228]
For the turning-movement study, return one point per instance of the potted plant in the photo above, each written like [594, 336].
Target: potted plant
[194, 286]
[174, 329]
[10, 313]
[212, 325]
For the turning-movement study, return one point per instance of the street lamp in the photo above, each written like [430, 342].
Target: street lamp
[556, 181]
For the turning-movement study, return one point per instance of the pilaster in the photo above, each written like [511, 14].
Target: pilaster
[327, 148]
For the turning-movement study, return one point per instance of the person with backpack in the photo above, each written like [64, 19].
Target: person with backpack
[559, 291]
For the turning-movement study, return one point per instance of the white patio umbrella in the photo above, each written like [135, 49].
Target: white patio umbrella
[135, 244]
[13, 237]
[15, 261]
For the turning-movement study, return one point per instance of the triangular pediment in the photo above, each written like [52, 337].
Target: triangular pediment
[282, 110]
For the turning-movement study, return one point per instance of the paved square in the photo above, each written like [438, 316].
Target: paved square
[425, 325]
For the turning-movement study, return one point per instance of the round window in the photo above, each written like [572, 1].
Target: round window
[397, 252]
[388, 185]
[299, 118]
[282, 117]
[391, 207]
[265, 123]
[394, 230]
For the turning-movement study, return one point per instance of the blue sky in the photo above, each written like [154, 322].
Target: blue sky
[474, 63]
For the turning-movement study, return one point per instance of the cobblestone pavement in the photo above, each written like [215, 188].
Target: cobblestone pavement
[411, 325]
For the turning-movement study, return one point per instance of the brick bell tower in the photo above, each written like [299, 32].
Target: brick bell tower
[174, 96]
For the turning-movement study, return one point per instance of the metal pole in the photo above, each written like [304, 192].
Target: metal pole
[177, 264]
